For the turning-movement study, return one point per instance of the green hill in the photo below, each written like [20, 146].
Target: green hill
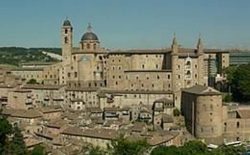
[17, 55]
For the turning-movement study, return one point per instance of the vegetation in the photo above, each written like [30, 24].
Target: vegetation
[124, 146]
[197, 148]
[176, 112]
[239, 79]
[16, 55]
[32, 81]
[11, 140]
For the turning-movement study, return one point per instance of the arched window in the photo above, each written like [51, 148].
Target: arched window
[65, 40]
[94, 46]
[188, 74]
[188, 64]
[66, 31]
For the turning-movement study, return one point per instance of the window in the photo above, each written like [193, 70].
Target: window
[66, 31]
[143, 66]
[94, 46]
[68, 74]
[65, 40]
[156, 66]
[238, 124]
[116, 83]
[168, 76]
[211, 107]
[158, 77]
[88, 46]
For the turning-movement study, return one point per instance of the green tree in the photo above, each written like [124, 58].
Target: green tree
[123, 146]
[5, 130]
[241, 83]
[164, 150]
[176, 112]
[32, 81]
[230, 71]
[96, 151]
[38, 150]
[17, 145]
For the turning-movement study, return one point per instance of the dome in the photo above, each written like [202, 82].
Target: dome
[66, 23]
[89, 35]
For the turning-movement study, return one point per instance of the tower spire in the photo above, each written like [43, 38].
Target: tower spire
[174, 40]
[89, 28]
[199, 44]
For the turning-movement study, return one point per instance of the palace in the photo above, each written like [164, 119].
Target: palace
[160, 72]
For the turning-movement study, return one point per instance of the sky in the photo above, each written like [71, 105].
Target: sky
[127, 24]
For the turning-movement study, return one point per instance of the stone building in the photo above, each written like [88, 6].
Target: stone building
[207, 118]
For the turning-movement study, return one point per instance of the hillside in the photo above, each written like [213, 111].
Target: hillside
[16, 55]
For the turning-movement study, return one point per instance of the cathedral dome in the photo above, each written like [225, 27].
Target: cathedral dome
[66, 23]
[89, 35]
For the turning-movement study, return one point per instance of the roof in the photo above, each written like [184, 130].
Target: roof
[66, 23]
[27, 69]
[141, 51]
[108, 134]
[158, 138]
[244, 113]
[182, 51]
[50, 109]
[57, 123]
[37, 86]
[201, 90]
[89, 36]
[101, 93]
[20, 113]
[152, 70]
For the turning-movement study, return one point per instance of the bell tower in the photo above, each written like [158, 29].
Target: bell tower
[66, 39]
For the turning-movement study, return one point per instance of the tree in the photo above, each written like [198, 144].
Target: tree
[17, 145]
[38, 150]
[176, 112]
[5, 130]
[32, 81]
[163, 150]
[241, 83]
[197, 148]
[96, 151]
[123, 146]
